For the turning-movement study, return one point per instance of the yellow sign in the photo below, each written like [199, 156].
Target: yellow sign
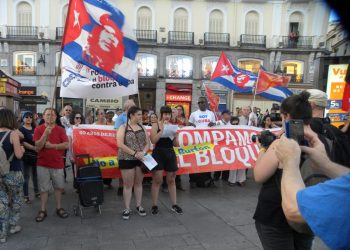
[2, 87]
[105, 162]
[194, 149]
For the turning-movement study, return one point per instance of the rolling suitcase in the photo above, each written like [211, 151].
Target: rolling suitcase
[89, 184]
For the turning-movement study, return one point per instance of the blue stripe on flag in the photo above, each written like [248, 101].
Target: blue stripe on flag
[231, 85]
[278, 93]
[131, 47]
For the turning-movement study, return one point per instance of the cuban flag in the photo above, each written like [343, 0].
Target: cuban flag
[238, 80]
[98, 52]
[243, 81]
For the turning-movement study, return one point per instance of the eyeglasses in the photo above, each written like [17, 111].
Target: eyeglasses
[29, 116]
[77, 117]
[101, 113]
[201, 102]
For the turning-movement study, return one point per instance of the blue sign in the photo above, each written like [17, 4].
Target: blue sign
[334, 104]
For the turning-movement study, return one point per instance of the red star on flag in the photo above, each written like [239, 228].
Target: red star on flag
[223, 67]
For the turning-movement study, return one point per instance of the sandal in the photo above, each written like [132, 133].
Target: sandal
[41, 216]
[61, 213]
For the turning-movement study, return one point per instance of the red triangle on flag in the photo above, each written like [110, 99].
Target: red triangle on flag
[223, 67]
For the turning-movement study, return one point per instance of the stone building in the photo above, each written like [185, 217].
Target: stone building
[180, 42]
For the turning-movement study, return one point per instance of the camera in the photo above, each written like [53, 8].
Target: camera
[265, 138]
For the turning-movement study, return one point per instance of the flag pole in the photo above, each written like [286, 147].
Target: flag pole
[256, 85]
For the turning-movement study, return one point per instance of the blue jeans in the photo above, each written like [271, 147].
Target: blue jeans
[26, 173]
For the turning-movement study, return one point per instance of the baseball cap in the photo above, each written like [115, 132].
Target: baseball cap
[318, 97]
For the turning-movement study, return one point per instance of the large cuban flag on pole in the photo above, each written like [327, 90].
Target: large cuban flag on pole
[243, 81]
[98, 52]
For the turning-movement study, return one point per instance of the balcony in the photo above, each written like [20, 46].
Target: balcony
[301, 42]
[147, 36]
[217, 39]
[24, 70]
[22, 32]
[179, 74]
[181, 38]
[59, 32]
[253, 41]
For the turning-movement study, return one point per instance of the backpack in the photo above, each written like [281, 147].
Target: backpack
[4, 162]
[340, 152]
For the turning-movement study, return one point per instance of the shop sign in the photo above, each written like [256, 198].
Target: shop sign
[27, 91]
[178, 98]
[2, 87]
[335, 89]
[104, 103]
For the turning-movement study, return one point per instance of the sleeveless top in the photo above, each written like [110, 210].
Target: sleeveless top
[15, 164]
[136, 140]
[167, 137]
[269, 208]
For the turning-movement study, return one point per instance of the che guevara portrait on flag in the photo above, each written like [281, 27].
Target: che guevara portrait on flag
[99, 51]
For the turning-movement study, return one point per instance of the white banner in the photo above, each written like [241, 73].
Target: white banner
[89, 84]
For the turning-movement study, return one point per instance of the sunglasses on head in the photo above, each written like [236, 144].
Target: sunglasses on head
[77, 117]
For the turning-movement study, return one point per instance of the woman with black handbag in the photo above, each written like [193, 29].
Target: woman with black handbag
[30, 155]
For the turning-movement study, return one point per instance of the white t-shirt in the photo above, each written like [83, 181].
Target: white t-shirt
[253, 119]
[223, 123]
[243, 120]
[202, 118]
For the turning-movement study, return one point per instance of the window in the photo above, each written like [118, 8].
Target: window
[294, 69]
[208, 66]
[64, 15]
[24, 14]
[181, 20]
[252, 65]
[216, 21]
[252, 23]
[179, 66]
[296, 22]
[144, 19]
[146, 65]
[24, 63]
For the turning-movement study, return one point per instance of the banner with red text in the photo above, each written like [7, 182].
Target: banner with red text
[200, 150]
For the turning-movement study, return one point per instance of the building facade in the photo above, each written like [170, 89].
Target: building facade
[180, 43]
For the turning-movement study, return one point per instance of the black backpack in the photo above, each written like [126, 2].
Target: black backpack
[340, 152]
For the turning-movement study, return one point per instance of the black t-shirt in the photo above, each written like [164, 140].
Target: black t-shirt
[28, 137]
[269, 208]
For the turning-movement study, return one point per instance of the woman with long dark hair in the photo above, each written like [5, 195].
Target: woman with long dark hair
[271, 224]
[181, 116]
[133, 144]
[30, 155]
[163, 135]
[11, 180]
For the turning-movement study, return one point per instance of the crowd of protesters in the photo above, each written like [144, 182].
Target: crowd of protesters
[42, 148]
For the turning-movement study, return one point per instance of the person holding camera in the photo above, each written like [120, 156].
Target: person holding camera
[324, 207]
[271, 224]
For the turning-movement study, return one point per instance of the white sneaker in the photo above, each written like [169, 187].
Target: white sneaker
[141, 211]
[15, 229]
[3, 240]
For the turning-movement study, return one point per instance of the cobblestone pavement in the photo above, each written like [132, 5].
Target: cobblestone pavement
[214, 218]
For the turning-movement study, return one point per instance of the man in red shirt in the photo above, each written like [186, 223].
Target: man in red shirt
[51, 142]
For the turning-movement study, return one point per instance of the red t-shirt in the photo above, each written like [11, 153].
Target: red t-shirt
[51, 158]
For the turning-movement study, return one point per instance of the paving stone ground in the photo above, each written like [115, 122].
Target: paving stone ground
[214, 218]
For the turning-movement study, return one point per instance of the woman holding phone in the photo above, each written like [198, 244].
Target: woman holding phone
[271, 224]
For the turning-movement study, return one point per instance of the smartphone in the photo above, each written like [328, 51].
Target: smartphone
[295, 130]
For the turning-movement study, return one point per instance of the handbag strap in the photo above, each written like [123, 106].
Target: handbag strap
[1, 142]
